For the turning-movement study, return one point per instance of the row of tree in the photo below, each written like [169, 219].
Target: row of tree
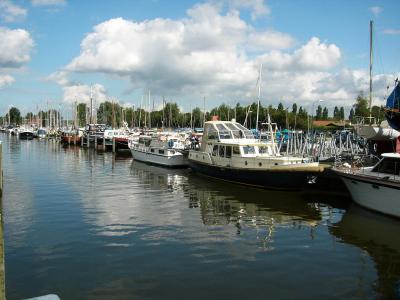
[115, 115]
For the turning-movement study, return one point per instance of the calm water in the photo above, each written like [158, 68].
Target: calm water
[88, 225]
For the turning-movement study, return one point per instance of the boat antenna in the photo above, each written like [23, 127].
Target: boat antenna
[371, 24]
[258, 99]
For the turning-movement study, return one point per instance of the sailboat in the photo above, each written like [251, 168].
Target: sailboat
[372, 131]
[392, 108]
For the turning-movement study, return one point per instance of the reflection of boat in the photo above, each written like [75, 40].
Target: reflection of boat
[378, 235]
[376, 187]
[392, 108]
[163, 149]
[230, 152]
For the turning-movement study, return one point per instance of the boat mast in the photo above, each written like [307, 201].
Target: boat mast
[204, 110]
[149, 111]
[371, 24]
[91, 105]
[258, 99]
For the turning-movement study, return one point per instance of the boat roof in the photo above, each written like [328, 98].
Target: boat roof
[391, 155]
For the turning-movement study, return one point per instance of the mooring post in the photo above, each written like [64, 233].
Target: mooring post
[88, 142]
[95, 142]
[113, 145]
[2, 269]
[1, 168]
[104, 143]
[69, 140]
[75, 140]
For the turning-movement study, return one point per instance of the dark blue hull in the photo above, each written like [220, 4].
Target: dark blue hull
[276, 180]
[393, 119]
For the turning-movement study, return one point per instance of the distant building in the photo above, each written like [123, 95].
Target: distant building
[331, 124]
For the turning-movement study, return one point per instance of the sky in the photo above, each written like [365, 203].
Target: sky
[56, 52]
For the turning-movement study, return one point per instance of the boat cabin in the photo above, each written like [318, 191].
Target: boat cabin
[388, 165]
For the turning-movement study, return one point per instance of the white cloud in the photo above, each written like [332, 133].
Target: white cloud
[376, 10]
[6, 80]
[81, 93]
[60, 77]
[10, 12]
[48, 2]
[217, 55]
[257, 7]
[15, 47]
[269, 39]
[391, 31]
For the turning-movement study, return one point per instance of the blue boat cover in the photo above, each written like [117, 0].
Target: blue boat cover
[393, 101]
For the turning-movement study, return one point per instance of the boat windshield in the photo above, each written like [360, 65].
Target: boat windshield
[247, 133]
[388, 165]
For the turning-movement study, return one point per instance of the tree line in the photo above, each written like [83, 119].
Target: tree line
[114, 115]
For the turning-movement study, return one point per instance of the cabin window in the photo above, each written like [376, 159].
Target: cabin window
[151, 150]
[215, 150]
[236, 150]
[388, 166]
[248, 150]
[234, 130]
[161, 151]
[212, 134]
[224, 133]
[222, 151]
[228, 153]
[147, 143]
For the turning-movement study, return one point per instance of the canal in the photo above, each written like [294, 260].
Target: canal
[90, 225]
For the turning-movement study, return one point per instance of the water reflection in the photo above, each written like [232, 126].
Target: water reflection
[86, 224]
[379, 236]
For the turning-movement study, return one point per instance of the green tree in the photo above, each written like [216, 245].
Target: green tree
[318, 113]
[81, 109]
[294, 108]
[15, 116]
[361, 106]
[351, 114]
[341, 113]
[336, 113]
[325, 114]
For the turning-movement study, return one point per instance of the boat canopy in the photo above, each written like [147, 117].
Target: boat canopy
[222, 130]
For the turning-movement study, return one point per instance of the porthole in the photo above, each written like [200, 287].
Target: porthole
[260, 164]
[245, 163]
[276, 164]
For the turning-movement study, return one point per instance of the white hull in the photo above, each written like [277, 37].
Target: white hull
[176, 160]
[371, 195]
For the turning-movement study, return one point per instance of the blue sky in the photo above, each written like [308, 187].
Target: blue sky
[185, 50]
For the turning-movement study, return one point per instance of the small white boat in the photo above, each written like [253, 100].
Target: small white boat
[375, 187]
[163, 149]
[25, 133]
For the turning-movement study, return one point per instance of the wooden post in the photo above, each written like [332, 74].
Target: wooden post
[104, 143]
[88, 142]
[95, 142]
[2, 269]
[75, 137]
[113, 145]
[1, 168]
[82, 138]
[69, 140]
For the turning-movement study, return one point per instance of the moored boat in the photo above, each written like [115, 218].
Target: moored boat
[229, 151]
[376, 187]
[162, 149]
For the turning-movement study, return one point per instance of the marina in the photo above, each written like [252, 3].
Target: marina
[233, 149]
[120, 227]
